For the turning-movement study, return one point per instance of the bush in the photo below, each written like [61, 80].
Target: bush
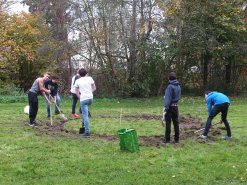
[13, 99]
[9, 89]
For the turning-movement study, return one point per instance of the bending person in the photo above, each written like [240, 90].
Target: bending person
[36, 89]
[52, 85]
[217, 102]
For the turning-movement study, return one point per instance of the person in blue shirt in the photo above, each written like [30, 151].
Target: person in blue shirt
[52, 85]
[171, 98]
[217, 102]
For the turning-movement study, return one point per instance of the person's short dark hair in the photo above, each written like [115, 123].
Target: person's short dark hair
[172, 76]
[54, 77]
[207, 92]
[82, 72]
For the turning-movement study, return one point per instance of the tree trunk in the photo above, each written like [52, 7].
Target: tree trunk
[132, 44]
[206, 59]
[228, 76]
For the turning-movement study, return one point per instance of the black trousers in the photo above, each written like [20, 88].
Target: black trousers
[33, 103]
[172, 115]
[74, 102]
[223, 108]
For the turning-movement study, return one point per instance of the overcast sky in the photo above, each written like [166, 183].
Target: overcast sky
[18, 7]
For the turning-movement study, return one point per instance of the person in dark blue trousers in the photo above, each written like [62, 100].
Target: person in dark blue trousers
[171, 98]
[217, 102]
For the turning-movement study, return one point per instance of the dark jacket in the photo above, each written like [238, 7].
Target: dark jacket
[52, 86]
[172, 94]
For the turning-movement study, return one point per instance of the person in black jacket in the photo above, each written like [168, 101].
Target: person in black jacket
[171, 98]
[52, 85]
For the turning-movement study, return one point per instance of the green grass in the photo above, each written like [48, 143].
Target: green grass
[28, 156]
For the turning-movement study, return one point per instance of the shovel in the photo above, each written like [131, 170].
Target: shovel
[48, 101]
[204, 127]
[51, 115]
[60, 113]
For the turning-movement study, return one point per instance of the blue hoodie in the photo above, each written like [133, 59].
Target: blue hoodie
[172, 94]
[215, 98]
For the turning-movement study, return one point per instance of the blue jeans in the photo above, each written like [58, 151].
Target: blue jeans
[48, 106]
[84, 108]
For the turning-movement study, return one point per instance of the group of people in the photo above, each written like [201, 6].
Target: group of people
[82, 87]
[216, 103]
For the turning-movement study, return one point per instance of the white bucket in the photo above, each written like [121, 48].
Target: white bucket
[26, 109]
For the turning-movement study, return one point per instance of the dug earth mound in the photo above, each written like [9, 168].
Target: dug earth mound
[188, 126]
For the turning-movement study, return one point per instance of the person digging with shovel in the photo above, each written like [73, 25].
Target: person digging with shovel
[53, 86]
[85, 86]
[37, 88]
[217, 102]
[171, 98]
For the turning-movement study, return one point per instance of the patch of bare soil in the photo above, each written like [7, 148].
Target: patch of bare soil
[188, 126]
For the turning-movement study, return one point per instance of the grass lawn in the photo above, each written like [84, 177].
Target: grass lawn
[29, 156]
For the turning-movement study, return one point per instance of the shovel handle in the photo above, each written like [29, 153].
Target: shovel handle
[204, 128]
[55, 104]
[61, 115]
[199, 130]
[51, 115]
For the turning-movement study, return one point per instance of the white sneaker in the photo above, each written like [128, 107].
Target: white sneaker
[203, 137]
[226, 137]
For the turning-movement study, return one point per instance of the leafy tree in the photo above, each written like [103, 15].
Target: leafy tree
[210, 35]
[57, 16]
[22, 38]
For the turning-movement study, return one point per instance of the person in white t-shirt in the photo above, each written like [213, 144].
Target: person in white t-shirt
[74, 96]
[85, 87]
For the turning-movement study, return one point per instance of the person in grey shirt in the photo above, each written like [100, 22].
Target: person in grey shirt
[37, 88]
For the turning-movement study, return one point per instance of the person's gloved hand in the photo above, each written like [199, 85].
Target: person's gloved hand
[163, 122]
